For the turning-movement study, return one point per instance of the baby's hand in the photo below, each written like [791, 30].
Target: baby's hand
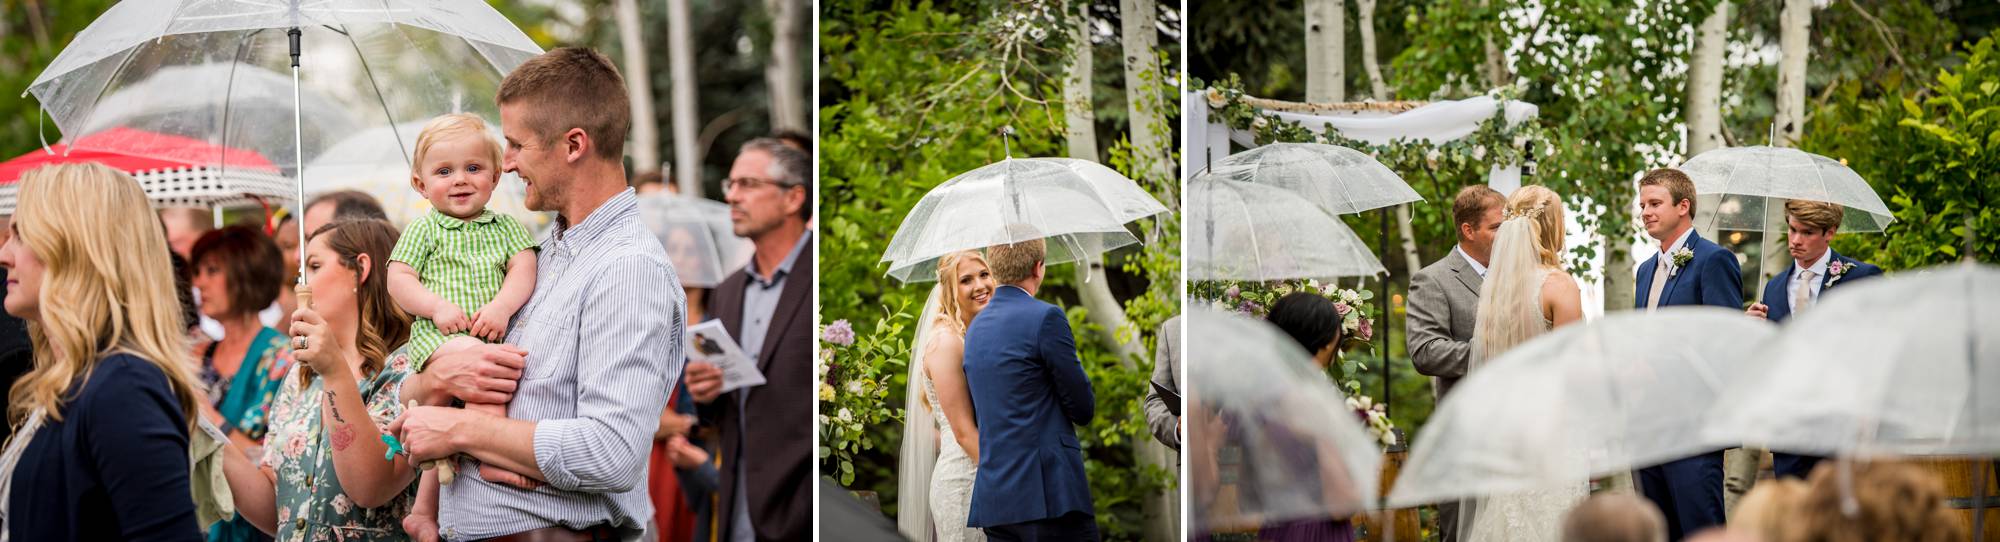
[450, 319]
[490, 323]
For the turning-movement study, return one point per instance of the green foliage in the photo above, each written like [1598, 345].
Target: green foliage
[855, 380]
[32, 33]
[915, 93]
[1934, 156]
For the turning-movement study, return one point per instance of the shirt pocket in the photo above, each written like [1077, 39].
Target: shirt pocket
[550, 336]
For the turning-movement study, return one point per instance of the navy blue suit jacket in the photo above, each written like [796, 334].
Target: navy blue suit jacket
[1028, 393]
[1780, 301]
[1712, 278]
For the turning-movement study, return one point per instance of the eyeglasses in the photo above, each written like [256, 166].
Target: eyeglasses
[744, 183]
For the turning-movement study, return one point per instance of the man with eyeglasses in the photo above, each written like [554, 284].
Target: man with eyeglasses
[766, 449]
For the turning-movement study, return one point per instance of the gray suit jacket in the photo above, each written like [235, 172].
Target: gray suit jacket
[1166, 371]
[1444, 303]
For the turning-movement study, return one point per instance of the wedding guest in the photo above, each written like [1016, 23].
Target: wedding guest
[605, 324]
[101, 446]
[1444, 300]
[766, 462]
[184, 226]
[324, 475]
[1689, 270]
[1766, 510]
[795, 139]
[1815, 269]
[17, 352]
[650, 182]
[682, 479]
[1895, 501]
[1160, 416]
[1614, 517]
[1312, 321]
[328, 207]
[239, 271]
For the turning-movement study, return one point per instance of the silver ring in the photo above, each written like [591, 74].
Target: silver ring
[300, 343]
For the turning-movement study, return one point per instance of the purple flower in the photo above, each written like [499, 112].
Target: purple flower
[1249, 308]
[1232, 293]
[1341, 309]
[839, 332]
[1366, 330]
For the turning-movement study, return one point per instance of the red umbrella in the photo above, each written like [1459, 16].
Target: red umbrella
[135, 151]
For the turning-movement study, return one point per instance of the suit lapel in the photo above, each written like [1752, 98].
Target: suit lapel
[728, 303]
[1645, 285]
[1824, 277]
[1694, 241]
[1782, 306]
[789, 302]
[1466, 274]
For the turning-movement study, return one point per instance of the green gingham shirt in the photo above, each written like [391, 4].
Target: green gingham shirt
[462, 261]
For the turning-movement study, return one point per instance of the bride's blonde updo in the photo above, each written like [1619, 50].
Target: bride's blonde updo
[947, 276]
[1544, 212]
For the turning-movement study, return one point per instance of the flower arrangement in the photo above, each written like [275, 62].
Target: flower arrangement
[855, 376]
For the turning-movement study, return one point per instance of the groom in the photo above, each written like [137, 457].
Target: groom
[1815, 269]
[1028, 391]
[1688, 270]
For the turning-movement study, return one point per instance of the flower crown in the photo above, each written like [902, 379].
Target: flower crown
[1532, 212]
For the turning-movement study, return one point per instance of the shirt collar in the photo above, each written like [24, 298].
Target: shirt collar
[1680, 243]
[612, 211]
[1476, 267]
[452, 223]
[784, 267]
[1819, 266]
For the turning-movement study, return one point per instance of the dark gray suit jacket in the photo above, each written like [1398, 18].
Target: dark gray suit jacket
[1444, 305]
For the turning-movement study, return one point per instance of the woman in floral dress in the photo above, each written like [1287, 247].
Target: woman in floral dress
[323, 475]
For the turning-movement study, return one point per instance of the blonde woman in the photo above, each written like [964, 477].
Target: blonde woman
[1525, 294]
[940, 439]
[101, 449]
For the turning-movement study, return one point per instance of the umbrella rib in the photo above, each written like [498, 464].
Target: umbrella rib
[377, 87]
[122, 63]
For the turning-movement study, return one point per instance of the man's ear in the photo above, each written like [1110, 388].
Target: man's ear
[793, 205]
[576, 144]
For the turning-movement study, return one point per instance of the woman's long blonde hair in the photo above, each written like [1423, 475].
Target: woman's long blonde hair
[947, 274]
[1530, 241]
[107, 285]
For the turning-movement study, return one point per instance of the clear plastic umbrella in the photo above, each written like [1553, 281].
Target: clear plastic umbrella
[1901, 365]
[1749, 186]
[380, 62]
[697, 235]
[1246, 231]
[1338, 179]
[246, 96]
[1270, 438]
[1079, 206]
[1585, 400]
[375, 161]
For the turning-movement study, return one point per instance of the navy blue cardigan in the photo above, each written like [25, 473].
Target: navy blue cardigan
[114, 468]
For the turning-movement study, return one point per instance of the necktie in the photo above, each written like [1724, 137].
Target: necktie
[1659, 283]
[1802, 295]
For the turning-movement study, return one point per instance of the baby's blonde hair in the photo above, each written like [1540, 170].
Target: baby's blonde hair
[454, 125]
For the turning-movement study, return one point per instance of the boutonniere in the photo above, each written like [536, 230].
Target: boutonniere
[1678, 259]
[1835, 270]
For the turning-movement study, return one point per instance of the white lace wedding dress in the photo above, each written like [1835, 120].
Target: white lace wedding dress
[1532, 516]
[951, 479]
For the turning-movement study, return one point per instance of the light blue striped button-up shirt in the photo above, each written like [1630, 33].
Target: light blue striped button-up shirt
[603, 332]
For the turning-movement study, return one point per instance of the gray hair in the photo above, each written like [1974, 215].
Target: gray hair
[789, 166]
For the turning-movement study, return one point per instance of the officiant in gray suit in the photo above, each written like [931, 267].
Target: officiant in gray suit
[1444, 297]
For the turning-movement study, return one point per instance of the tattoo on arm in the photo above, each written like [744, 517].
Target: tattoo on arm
[335, 407]
[343, 436]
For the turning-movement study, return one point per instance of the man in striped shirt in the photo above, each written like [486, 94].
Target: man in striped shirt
[602, 332]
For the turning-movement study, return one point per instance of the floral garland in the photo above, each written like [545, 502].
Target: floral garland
[854, 383]
[1254, 299]
[1494, 142]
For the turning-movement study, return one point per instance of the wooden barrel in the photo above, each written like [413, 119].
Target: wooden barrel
[1407, 527]
[1958, 476]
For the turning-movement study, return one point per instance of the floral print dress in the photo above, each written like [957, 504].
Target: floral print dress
[311, 505]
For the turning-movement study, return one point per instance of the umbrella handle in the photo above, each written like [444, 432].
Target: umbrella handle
[304, 293]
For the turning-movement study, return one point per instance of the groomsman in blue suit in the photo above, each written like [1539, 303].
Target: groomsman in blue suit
[1029, 393]
[1688, 270]
[1815, 270]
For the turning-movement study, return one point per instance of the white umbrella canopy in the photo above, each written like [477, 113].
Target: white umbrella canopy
[1900, 365]
[232, 94]
[1585, 400]
[697, 235]
[1270, 438]
[376, 161]
[1080, 207]
[1247, 231]
[1338, 179]
[370, 62]
[1747, 187]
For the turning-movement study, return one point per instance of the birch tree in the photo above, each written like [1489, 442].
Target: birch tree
[680, 57]
[784, 74]
[1704, 107]
[639, 86]
[1326, 51]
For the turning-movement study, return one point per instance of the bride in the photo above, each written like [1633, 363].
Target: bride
[940, 442]
[1525, 294]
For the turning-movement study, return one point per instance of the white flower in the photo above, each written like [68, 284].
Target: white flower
[845, 415]
[1388, 438]
[1260, 122]
[1478, 152]
[1678, 259]
[854, 387]
[1215, 99]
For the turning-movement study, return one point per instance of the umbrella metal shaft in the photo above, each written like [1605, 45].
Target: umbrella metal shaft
[298, 151]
